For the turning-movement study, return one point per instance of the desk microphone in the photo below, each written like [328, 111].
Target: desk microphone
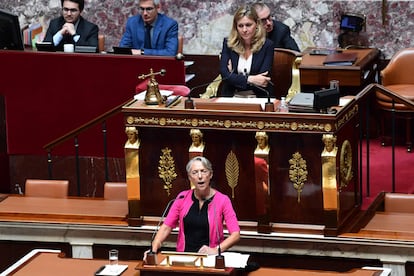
[220, 264]
[269, 106]
[189, 103]
[151, 260]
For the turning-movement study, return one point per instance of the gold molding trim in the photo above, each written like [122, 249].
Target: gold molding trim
[229, 124]
[232, 171]
[347, 116]
[345, 164]
[298, 172]
[166, 169]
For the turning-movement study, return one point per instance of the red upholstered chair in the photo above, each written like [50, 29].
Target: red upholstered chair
[397, 77]
[47, 188]
[115, 191]
[178, 90]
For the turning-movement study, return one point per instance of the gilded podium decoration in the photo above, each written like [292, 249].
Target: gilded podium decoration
[346, 163]
[329, 182]
[232, 171]
[298, 172]
[166, 169]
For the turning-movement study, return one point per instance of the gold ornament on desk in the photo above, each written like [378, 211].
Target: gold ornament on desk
[153, 95]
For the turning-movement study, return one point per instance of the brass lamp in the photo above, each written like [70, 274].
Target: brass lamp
[153, 95]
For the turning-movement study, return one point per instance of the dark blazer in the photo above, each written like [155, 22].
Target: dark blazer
[262, 61]
[88, 33]
[164, 36]
[281, 37]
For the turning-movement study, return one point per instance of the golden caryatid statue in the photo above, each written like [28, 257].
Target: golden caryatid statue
[131, 149]
[262, 147]
[329, 181]
[197, 143]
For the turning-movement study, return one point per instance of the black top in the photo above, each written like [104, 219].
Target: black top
[281, 37]
[196, 226]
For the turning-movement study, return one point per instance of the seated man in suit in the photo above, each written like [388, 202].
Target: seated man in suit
[71, 27]
[150, 32]
[278, 32]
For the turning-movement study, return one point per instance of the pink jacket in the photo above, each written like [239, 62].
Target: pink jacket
[219, 208]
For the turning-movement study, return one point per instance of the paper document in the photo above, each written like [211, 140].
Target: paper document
[231, 259]
[260, 101]
[111, 270]
[141, 96]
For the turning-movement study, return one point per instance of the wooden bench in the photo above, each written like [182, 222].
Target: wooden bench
[398, 202]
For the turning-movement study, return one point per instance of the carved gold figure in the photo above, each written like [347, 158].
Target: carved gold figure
[197, 143]
[329, 182]
[261, 169]
[262, 143]
[131, 149]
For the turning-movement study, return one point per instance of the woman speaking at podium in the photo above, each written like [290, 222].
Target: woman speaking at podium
[199, 213]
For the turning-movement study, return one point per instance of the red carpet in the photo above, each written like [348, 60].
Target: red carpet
[381, 170]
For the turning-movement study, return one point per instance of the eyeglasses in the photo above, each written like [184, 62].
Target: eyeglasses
[203, 172]
[147, 9]
[266, 19]
[66, 10]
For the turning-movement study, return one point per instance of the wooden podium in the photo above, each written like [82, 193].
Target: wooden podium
[167, 267]
[293, 184]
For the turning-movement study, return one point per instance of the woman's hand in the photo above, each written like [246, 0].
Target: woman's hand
[208, 250]
[259, 79]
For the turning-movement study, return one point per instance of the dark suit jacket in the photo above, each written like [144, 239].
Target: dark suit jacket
[281, 37]
[88, 33]
[164, 36]
[262, 61]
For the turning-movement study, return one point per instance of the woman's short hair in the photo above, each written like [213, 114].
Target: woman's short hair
[206, 163]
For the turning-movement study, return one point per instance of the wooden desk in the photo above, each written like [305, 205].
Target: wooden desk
[79, 210]
[314, 75]
[52, 264]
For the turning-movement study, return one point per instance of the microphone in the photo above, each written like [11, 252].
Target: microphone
[269, 106]
[189, 103]
[220, 264]
[151, 256]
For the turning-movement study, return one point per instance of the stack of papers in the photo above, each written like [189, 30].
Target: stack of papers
[302, 102]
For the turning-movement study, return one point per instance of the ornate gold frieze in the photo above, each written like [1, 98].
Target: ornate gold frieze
[230, 124]
[351, 113]
[232, 171]
[345, 164]
[166, 169]
[298, 172]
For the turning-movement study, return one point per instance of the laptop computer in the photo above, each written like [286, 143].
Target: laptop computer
[122, 50]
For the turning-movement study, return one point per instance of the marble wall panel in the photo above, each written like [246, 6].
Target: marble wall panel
[204, 24]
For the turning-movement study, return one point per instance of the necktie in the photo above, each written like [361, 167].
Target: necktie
[147, 42]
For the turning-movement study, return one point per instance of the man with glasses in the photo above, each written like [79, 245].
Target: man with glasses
[278, 32]
[71, 27]
[151, 32]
